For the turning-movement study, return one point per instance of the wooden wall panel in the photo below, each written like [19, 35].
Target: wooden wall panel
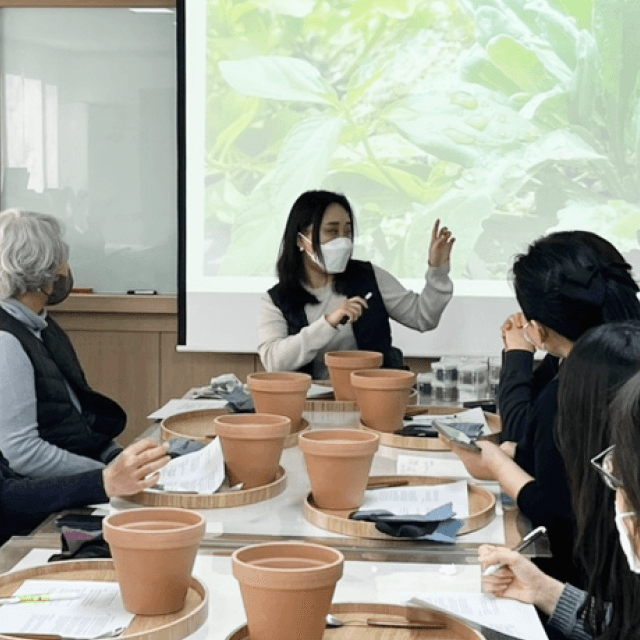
[124, 366]
[180, 371]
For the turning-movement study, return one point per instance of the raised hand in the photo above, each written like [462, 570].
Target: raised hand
[441, 244]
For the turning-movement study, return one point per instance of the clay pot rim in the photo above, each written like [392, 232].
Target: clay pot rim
[279, 381]
[252, 426]
[192, 531]
[349, 359]
[382, 379]
[313, 443]
[287, 579]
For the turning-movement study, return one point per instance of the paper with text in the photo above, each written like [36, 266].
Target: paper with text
[98, 611]
[176, 406]
[433, 467]
[508, 616]
[419, 500]
[198, 472]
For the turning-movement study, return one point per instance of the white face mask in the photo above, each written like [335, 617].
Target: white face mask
[336, 254]
[626, 541]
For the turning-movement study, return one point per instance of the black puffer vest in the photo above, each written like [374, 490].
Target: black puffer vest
[59, 423]
[372, 331]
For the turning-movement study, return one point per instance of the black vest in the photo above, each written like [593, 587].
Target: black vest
[59, 423]
[372, 331]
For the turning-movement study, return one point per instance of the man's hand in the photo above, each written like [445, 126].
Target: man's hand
[135, 468]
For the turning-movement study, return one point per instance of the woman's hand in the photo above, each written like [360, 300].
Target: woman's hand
[509, 448]
[513, 334]
[441, 244]
[519, 580]
[135, 469]
[351, 308]
[480, 464]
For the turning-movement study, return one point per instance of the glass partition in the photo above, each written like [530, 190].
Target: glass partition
[89, 135]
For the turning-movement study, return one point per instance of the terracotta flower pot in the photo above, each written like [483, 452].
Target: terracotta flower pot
[281, 393]
[338, 463]
[153, 552]
[342, 363]
[382, 396]
[252, 444]
[287, 588]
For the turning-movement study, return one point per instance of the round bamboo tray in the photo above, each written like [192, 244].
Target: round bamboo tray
[173, 626]
[482, 509]
[433, 444]
[220, 500]
[199, 425]
[359, 612]
[195, 425]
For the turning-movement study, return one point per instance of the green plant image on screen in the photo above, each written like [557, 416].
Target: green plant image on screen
[507, 119]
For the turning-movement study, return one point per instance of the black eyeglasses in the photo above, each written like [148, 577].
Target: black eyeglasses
[603, 463]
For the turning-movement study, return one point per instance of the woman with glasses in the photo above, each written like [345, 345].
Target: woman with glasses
[605, 359]
[566, 284]
[327, 301]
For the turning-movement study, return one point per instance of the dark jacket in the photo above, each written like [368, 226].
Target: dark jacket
[54, 360]
[372, 331]
[24, 502]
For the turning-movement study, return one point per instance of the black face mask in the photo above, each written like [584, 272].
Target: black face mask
[62, 286]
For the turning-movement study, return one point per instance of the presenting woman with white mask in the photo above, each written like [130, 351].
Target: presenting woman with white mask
[327, 301]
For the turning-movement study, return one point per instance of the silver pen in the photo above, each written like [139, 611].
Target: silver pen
[345, 318]
[530, 538]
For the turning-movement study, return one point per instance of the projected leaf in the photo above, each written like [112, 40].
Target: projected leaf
[504, 117]
[276, 78]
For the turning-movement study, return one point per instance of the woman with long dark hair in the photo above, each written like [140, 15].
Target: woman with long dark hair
[564, 287]
[327, 301]
[604, 361]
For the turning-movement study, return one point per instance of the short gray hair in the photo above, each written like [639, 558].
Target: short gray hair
[31, 251]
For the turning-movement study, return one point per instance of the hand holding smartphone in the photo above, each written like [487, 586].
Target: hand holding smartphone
[458, 437]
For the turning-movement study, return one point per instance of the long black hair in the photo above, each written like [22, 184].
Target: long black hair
[307, 211]
[574, 280]
[601, 361]
[625, 434]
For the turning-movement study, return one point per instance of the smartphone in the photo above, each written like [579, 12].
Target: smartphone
[84, 521]
[458, 437]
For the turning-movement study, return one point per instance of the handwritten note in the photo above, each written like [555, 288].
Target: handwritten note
[419, 500]
[99, 611]
[199, 472]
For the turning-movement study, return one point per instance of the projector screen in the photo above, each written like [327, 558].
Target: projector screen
[505, 119]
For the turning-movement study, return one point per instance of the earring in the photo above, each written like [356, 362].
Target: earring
[301, 249]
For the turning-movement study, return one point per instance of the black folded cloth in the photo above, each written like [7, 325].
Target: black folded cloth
[438, 525]
[417, 430]
[78, 543]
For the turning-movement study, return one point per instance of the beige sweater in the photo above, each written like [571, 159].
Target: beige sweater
[282, 352]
